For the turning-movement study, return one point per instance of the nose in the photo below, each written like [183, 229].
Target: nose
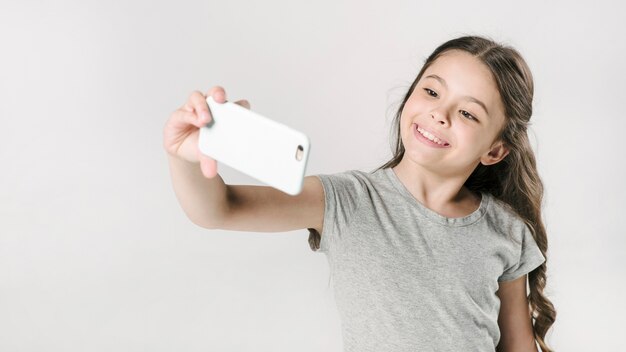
[440, 117]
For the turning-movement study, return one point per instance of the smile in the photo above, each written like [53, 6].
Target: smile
[428, 138]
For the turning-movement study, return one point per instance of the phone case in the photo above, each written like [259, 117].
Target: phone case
[266, 150]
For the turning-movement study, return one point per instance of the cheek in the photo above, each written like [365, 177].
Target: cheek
[408, 116]
[405, 121]
[472, 140]
[414, 104]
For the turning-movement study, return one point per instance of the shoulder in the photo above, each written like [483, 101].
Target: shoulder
[349, 179]
[503, 210]
[505, 219]
[350, 189]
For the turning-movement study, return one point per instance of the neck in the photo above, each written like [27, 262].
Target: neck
[441, 193]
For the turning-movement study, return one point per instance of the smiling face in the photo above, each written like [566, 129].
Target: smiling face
[458, 102]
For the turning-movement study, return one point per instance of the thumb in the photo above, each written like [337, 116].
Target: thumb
[244, 103]
[208, 165]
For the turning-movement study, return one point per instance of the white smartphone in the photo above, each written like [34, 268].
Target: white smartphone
[266, 150]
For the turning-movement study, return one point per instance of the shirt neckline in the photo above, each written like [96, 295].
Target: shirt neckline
[433, 215]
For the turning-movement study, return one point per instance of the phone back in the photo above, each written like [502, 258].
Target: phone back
[266, 150]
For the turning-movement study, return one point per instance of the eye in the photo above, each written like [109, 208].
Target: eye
[468, 114]
[428, 91]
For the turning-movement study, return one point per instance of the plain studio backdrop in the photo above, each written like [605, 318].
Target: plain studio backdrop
[96, 253]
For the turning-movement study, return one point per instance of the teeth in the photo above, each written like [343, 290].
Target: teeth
[430, 136]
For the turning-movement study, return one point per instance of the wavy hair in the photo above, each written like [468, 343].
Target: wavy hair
[513, 180]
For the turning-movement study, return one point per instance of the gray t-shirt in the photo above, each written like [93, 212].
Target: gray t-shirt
[409, 279]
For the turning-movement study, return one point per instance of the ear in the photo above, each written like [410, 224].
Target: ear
[497, 152]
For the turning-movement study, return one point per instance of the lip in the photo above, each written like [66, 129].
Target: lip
[427, 141]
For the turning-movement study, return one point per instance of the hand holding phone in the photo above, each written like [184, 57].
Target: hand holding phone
[262, 148]
[182, 129]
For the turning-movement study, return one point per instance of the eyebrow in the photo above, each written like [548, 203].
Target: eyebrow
[467, 97]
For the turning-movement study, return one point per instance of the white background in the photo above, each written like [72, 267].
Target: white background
[96, 253]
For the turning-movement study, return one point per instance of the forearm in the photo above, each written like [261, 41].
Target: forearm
[204, 200]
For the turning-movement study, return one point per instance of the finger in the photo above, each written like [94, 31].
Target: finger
[182, 119]
[193, 100]
[207, 165]
[218, 93]
[197, 101]
[244, 103]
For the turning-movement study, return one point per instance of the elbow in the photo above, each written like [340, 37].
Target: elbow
[209, 225]
[203, 222]
[204, 225]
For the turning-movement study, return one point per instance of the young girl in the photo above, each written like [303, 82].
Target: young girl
[432, 250]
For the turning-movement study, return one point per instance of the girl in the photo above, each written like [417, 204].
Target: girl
[432, 250]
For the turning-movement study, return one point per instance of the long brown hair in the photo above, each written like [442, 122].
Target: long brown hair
[514, 180]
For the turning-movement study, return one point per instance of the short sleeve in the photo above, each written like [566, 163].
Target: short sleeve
[528, 257]
[339, 203]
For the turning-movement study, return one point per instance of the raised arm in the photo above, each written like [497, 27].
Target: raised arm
[209, 202]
